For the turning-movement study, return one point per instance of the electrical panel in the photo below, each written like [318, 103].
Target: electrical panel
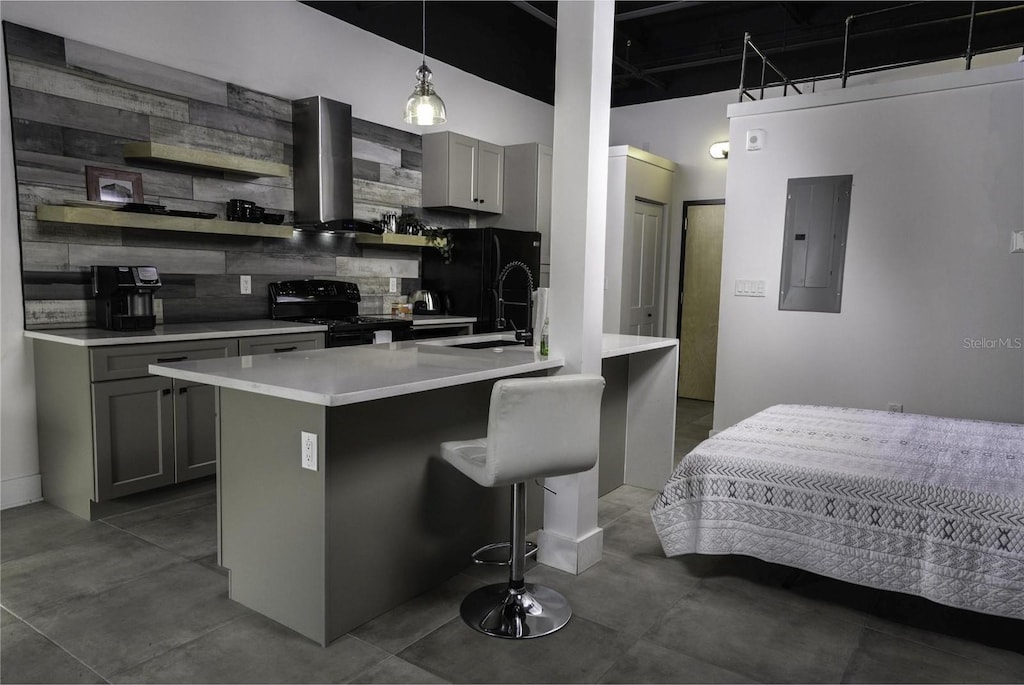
[814, 248]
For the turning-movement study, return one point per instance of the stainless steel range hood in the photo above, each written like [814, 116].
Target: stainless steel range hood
[322, 163]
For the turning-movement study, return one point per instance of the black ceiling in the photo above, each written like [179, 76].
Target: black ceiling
[676, 49]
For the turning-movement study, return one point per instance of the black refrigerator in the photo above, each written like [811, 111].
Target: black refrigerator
[470, 282]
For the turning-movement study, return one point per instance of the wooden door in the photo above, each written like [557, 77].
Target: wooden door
[699, 299]
[644, 256]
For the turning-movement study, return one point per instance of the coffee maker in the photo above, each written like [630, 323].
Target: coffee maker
[124, 297]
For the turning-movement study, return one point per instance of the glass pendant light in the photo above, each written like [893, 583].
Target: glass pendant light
[424, 107]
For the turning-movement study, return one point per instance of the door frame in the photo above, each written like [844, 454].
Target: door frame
[682, 258]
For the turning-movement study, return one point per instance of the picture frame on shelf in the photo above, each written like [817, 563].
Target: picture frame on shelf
[113, 185]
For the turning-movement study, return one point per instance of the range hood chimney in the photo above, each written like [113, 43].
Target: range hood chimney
[322, 163]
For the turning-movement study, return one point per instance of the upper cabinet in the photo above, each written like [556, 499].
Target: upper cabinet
[462, 172]
[528, 193]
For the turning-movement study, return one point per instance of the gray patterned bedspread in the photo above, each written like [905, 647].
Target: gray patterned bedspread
[917, 504]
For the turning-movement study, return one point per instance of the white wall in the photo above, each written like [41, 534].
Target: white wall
[938, 173]
[19, 465]
[632, 174]
[283, 48]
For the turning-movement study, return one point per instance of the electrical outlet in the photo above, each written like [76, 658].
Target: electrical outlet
[245, 284]
[309, 451]
[392, 285]
[895, 407]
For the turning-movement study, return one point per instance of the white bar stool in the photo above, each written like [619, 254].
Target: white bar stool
[537, 427]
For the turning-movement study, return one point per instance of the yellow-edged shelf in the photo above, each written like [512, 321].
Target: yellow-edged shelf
[158, 222]
[204, 159]
[392, 240]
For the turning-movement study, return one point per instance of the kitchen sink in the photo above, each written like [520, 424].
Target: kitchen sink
[484, 344]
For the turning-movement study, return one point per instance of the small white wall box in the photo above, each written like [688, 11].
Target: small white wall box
[1018, 242]
[755, 139]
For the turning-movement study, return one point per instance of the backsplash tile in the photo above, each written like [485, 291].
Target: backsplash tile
[76, 105]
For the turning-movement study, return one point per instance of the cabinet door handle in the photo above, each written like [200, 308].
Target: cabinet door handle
[165, 391]
[182, 391]
[168, 360]
[286, 349]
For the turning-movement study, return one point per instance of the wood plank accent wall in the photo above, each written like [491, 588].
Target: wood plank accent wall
[74, 105]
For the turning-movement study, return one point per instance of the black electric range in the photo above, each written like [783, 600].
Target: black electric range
[334, 304]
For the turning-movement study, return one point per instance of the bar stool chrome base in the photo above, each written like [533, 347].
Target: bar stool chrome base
[502, 611]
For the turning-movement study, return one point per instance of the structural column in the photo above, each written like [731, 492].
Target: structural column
[571, 539]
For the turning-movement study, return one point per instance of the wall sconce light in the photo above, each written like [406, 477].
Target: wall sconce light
[719, 150]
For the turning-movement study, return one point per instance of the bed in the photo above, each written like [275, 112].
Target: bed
[916, 504]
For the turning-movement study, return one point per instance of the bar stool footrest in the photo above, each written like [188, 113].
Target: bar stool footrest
[531, 551]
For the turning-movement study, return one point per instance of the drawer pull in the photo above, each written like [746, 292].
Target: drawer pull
[168, 360]
[165, 391]
[182, 391]
[286, 349]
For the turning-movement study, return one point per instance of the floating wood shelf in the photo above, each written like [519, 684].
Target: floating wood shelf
[204, 159]
[157, 222]
[392, 240]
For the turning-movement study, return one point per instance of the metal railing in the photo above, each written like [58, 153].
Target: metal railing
[843, 75]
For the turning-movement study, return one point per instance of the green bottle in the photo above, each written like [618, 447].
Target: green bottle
[544, 338]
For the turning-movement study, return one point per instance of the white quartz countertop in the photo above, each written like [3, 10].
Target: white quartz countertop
[92, 337]
[347, 375]
[616, 345]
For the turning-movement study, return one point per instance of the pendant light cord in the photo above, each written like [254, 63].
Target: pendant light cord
[423, 24]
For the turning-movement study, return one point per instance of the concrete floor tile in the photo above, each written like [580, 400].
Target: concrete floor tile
[397, 670]
[620, 593]
[631, 497]
[995, 640]
[41, 527]
[648, 663]
[608, 512]
[140, 619]
[759, 638]
[191, 532]
[882, 658]
[633, 535]
[400, 627]
[110, 557]
[578, 653]
[203, 497]
[255, 649]
[26, 656]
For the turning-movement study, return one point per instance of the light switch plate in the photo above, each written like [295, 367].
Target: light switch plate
[749, 288]
[1018, 242]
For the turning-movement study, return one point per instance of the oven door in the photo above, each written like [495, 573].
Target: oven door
[349, 338]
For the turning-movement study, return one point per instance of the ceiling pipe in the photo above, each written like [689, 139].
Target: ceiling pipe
[535, 13]
[658, 9]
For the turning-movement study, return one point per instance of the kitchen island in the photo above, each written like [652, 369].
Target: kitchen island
[382, 518]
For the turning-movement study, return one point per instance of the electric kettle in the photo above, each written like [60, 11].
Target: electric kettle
[426, 302]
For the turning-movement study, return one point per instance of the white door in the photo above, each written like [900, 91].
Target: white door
[643, 260]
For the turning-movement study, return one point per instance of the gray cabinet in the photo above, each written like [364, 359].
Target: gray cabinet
[527, 193]
[151, 432]
[278, 344]
[134, 422]
[195, 430]
[109, 429]
[462, 172]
